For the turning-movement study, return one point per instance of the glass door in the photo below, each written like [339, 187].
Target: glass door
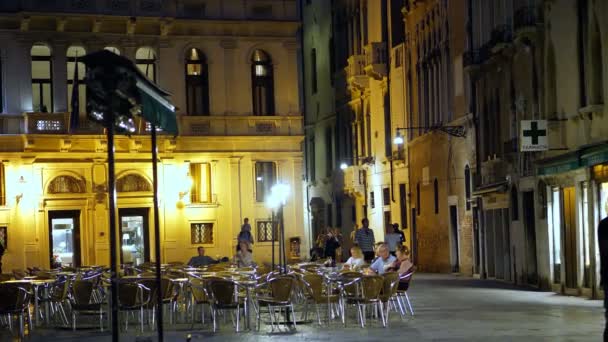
[64, 238]
[134, 236]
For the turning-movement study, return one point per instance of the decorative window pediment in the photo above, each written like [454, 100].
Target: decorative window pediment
[66, 185]
[133, 183]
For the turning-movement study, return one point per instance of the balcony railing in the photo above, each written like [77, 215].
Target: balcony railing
[240, 125]
[375, 59]
[355, 71]
[59, 123]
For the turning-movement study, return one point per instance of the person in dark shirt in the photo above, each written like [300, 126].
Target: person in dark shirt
[331, 245]
[398, 231]
[602, 237]
[201, 259]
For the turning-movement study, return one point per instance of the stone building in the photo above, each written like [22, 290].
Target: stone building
[440, 136]
[232, 67]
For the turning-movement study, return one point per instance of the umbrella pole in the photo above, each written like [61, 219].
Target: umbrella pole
[112, 216]
[159, 298]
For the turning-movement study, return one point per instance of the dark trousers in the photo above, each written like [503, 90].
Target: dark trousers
[369, 256]
[605, 286]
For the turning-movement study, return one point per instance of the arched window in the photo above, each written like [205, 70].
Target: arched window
[74, 54]
[145, 58]
[514, 204]
[262, 83]
[418, 199]
[436, 194]
[197, 83]
[467, 187]
[112, 49]
[42, 84]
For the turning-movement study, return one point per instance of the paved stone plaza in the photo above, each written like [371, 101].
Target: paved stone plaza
[448, 308]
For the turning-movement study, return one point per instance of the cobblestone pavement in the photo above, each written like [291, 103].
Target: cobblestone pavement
[447, 308]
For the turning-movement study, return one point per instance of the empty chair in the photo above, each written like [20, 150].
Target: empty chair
[368, 293]
[313, 285]
[389, 293]
[198, 292]
[280, 289]
[223, 295]
[84, 302]
[14, 301]
[133, 297]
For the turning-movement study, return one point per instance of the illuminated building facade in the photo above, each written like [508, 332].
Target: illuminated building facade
[232, 69]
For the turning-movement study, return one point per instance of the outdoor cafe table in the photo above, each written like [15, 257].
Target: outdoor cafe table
[36, 284]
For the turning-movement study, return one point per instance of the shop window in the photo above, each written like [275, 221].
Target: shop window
[42, 84]
[197, 83]
[200, 174]
[201, 233]
[265, 178]
[145, 59]
[265, 231]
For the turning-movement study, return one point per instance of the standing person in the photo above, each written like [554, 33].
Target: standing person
[392, 239]
[602, 237]
[245, 234]
[331, 245]
[365, 239]
[398, 231]
[1, 254]
[340, 239]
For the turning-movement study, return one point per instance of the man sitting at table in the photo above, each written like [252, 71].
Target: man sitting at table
[201, 259]
[384, 261]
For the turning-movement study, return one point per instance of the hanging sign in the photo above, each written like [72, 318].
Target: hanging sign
[533, 135]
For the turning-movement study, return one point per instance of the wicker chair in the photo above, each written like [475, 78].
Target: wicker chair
[389, 293]
[368, 293]
[313, 284]
[167, 296]
[14, 300]
[279, 297]
[133, 297]
[58, 296]
[404, 285]
[199, 297]
[84, 301]
[223, 295]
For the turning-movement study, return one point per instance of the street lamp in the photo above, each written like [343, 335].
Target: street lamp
[275, 201]
[398, 139]
[343, 166]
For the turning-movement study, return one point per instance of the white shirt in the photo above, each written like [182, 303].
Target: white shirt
[355, 262]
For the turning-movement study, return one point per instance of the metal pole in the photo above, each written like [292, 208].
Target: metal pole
[112, 216]
[159, 292]
[272, 225]
[282, 242]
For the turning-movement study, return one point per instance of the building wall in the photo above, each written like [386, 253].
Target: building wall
[230, 138]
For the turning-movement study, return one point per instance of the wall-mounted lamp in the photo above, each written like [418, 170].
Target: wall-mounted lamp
[186, 187]
[20, 185]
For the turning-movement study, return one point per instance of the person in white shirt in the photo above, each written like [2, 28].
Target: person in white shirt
[384, 261]
[356, 260]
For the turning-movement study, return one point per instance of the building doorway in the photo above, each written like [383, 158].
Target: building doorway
[64, 238]
[477, 241]
[530, 233]
[569, 231]
[454, 248]
[134, 235]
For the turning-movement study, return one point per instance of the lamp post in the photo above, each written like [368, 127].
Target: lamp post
[276, 200]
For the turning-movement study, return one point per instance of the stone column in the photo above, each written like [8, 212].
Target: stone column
[59, 77]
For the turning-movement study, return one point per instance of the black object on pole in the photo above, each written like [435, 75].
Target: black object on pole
[159, 289]
[112, 217]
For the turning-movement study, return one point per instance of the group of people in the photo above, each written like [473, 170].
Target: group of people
[243, 256]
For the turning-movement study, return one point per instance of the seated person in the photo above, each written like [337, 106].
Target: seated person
[383, 262]
[356, 260]
[244, 257]
[402, 265]
[201, 259]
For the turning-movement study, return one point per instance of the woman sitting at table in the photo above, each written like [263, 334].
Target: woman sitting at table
[244, 258]
[402, 265]
[356, 260]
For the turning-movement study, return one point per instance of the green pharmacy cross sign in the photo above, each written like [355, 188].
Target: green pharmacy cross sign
[533, 135]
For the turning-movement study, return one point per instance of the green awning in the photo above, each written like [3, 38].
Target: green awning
[157, 110]
[595, 155]
[562, 163]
